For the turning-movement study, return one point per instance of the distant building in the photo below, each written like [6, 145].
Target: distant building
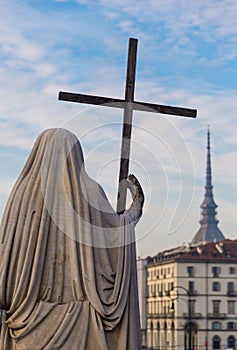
[191, 290]
[191, 297]
[209, 230]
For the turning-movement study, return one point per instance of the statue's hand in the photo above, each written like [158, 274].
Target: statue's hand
[135, 188]
[135, 210]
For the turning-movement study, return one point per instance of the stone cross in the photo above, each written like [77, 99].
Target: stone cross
[128, 105]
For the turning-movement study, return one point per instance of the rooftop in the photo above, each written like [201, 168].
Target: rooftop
[224, 251]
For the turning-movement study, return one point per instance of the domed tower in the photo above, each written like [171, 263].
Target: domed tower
[209, 231]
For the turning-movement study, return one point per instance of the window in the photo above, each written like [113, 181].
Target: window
[157, 307]
[216, 307]
[163, 307]
[231, 307]
[154, 307]
[216, 342]
[190, 271]
[152, 293]
[231, 270]
[216, 325]
[149, 308]
[216, 287]
[192, 306]
[170, 288]
[230, 288]
[216, 271]
[231, 325]
[231, 342]
[172, 272]
[191, 287]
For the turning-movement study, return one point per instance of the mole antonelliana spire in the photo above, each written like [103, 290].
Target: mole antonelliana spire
[209, 231]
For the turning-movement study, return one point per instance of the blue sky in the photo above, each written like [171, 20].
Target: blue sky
[187, 56]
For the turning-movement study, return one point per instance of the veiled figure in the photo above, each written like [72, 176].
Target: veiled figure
[68, 260]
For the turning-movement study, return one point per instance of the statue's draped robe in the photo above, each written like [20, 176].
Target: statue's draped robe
[68, 272]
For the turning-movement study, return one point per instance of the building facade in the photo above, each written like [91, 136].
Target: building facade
[191, 298]
[191, 290]
[142, 293]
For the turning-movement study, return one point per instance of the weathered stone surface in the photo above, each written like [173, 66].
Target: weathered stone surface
[68, 261]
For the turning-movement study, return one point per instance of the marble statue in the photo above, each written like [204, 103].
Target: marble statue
[68, 260]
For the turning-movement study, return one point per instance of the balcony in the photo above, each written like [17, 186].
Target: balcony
[231, 293]
[192, 292]
[194, 315]
[217, 316]
[161, 315]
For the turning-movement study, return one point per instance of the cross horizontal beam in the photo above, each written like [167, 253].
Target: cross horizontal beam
[119, 103]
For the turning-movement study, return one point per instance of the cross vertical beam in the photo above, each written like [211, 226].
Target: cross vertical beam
[127, 124]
